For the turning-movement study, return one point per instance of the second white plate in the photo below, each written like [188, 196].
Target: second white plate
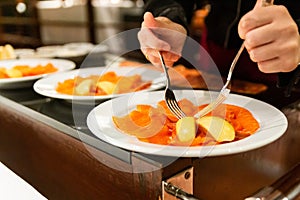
[27, 81]
[47, 86]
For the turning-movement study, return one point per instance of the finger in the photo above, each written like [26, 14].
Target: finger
[259, 37]
[268, 66]
[263, 3]
[276, 56]
[170, 56]
[149, 40]
[154, 60]
[282, 63]
[169, 63]
[157, 25]
[276, 65]
[254, 19]
[149, 20]
[151, 55]
[258, 4]
[260, 54]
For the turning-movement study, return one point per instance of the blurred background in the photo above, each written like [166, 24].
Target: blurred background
[32, 23]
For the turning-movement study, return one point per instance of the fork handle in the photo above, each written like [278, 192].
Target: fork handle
[163, 65]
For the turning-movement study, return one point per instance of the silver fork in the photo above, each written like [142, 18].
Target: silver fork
[226, 88]
[169, 94]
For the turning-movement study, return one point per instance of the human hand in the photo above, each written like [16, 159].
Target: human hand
[271, 38]
[161, 34]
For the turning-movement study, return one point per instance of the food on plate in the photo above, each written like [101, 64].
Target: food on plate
[219, 128]
[130, 63]
[106, 84]
[247, 87]
[7, 52]
[182, 76]
[107, 87]
[186, 77]
[186, 129]
[156, 124]
[83, 87]
[18, 71]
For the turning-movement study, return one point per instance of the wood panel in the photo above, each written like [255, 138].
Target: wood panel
[62, 167]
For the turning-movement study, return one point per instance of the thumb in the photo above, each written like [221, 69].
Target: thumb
[263, 3]
[258, 4]
[149, 20]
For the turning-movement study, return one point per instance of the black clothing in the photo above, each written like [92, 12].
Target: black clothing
[221, 24]
[222, 20]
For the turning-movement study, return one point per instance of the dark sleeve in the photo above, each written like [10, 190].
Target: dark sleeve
[289, 80]
[178, 11]
[298, 24]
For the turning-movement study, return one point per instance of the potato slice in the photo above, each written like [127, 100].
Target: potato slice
[9, 51]
[186, 129]
[14, 73]
[84, 87]
[106, 86]
[2, 55]
[218, 127]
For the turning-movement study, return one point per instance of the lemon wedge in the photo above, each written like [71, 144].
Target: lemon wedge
[218, 127]
[186, 129]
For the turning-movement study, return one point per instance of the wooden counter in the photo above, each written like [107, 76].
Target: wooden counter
[61, 166]
[63, 163]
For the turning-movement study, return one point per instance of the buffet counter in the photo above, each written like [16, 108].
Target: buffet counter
[62, 160]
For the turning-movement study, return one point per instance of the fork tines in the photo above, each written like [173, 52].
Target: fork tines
[173, 105]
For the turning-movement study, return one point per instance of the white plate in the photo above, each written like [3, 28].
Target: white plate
[272, 122]
[27, 81]
[47, 86]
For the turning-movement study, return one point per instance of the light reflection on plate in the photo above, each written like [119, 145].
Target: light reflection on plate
[27, 81]
[273, 124]
[47, 86]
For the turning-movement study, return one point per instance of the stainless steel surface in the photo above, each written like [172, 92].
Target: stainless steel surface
[169, 94]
